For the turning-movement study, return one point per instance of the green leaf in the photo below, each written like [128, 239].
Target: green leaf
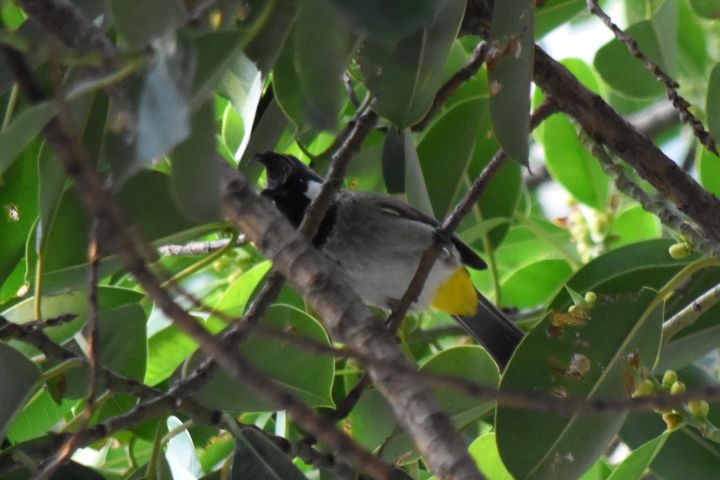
[487, 458]
[19, 377]
[635, 465]
[258, 458]
[308, 76]
[401, 170]
[269, 22]
[665, 23]
[393, 161]
[147, 202]
[372, 421]
[584, 359]
[322, 53]
[713, 106]
[389, 20]
[510, 73]
[553, 13]
[216, 52]
[634, 225]
[196, 173]
[692, 41]
[706, 8]
[138, 21]
[242, 85]
[169, 347]
[18, 208]
[446, 152]
[708, 166]
[70, 302]
[644, 264]
[18, 135]
[180, 453]
[568, 159]
[600, 470]
[308, 375]
[123, 341]
[469, 362]
[625, 73]
[453, 152]
[38, 417]
[404, 75]
[534, 284]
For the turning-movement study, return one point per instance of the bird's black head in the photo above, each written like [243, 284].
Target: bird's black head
[291, 184]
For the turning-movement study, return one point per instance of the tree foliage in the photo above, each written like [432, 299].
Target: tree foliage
[612, 275]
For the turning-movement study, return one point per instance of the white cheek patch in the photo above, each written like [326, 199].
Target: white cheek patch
[313, 189]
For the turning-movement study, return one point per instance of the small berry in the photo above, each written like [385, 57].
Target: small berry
[678, 251]
[677, 388]
[698, 409]
[669, 378]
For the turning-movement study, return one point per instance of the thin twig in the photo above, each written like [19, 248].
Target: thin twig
[688, 315]
[667, 215]
[456, 81]
[198, 248]
[671, 86]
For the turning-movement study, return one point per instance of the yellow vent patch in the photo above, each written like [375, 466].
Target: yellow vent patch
[457, 296]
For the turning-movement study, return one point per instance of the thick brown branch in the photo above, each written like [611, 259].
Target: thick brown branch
[607, 126]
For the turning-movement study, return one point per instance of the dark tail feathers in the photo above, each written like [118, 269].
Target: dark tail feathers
[493, 330]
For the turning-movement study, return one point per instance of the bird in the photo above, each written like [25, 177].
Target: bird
[377, 242]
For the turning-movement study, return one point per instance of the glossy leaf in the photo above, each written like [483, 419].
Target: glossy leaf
[706, 8]
[170, 346]
[405, 74]
[487, 458]
[74, 302]
[372, 423]
[535, 283]
[510, 73]
[708, 166]
[567, 157]
[713, 106]
[38, 416]
[18, 135]
[634, 225]
[19, 208]
[258, 458]
[18, 376]
[389, 20]
[158, 17]
[635, 465]
[196, 173]
[242, 85]
[646, 264]
[123, 341]
[626, 74]
[269, 24]
[586, 359]
[447, 150]
[553, 13]
[309, 375]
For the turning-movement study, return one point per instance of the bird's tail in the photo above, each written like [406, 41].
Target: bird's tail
[493, 330]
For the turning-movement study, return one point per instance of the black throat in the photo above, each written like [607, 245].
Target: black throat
[293, 204]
